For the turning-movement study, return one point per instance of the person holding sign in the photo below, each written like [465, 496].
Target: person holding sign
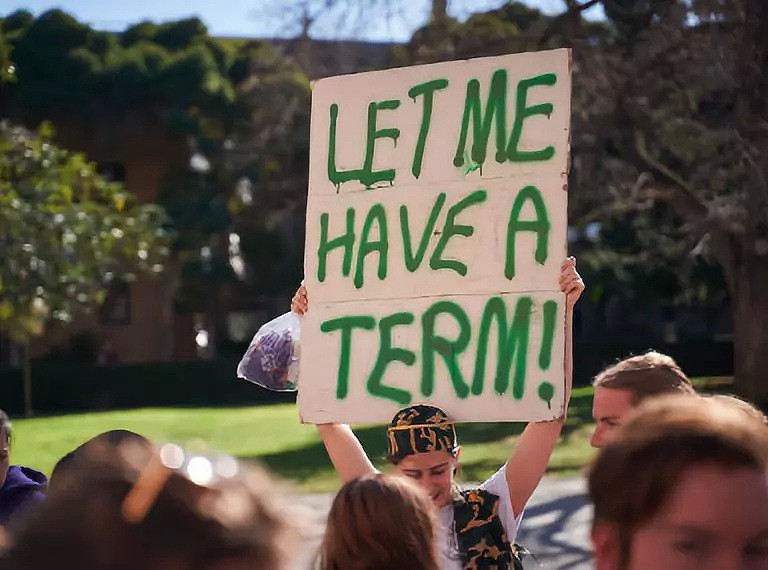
[476, 527]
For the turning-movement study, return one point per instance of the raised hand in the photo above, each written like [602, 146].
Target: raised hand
[570, 282]
[300, 302]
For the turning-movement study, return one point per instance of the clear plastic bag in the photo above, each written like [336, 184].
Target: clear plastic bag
[272, 358]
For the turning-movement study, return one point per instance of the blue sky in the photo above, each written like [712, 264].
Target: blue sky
[260, 18]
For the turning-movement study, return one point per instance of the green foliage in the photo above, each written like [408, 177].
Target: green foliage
[176, 36]
[7, 70]
[507, 29]
[173, 72]
[65, 233]
[658, 154]
[17, 22]
[643, 251]
[254, 188]
[143, 31]
[239, 105]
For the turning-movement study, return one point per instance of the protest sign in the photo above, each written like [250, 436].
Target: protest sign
[436, 227]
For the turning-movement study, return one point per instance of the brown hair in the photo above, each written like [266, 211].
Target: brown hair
[84, 523]
[380, 522]
[645, 375]
[750, 409]
[633, 477]
[114, 437]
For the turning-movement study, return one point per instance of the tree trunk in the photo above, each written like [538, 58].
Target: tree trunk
[27, 381]
[749, 285]
[750, 325]
[439, 10]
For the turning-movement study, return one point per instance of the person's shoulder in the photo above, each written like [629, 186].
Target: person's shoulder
[24, 487]
[497, 483]
[22, 478]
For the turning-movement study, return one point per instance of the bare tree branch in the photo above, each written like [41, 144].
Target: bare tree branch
[573, 8]
[694, 205]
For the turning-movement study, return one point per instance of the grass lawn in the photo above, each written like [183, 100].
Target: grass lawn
[273, 435]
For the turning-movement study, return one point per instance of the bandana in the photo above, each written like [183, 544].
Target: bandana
[420, 429]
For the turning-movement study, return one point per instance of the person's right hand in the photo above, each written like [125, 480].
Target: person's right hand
[299, 303]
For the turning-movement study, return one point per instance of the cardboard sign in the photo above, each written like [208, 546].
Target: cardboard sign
[436, 227]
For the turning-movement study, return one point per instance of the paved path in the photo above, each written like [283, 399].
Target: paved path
[555, 526]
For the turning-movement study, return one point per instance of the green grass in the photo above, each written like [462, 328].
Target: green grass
[274, 436]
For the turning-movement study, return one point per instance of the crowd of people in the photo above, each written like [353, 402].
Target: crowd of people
[680, 480]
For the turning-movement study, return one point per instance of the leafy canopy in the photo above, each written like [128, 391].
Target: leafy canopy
[65, 232]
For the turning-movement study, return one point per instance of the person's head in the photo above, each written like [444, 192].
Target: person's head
[129, 506]
[749, 409]
[5, 446]
[379, 522]
[684, 485]
[422, 445]
[114, 437]
[621, 387]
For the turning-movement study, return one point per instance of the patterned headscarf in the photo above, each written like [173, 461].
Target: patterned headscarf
[420, 429]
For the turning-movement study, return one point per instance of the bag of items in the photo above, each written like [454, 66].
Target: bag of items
[272, 358]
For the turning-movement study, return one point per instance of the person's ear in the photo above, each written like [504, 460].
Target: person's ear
[605, 546]
[456, 455]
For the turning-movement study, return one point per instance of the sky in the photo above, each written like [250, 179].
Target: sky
[266, 18]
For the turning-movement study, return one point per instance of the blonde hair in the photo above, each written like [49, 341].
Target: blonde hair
[633, 476]
[380, 522]
[645, 375]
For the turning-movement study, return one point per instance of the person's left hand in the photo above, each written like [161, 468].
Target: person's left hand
[570, 282]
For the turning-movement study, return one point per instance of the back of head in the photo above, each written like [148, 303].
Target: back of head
[124, 507]
[114, 437]
[633, 477]
[380, 522]
[750, 410]
[645, 375]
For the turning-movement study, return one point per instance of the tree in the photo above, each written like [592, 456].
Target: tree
[507, 29]
[237, 113]
[173, 74]
[239, 211]
[673, 140]
[66, 234]
[297, 17]
[670, 144]
[6, 64]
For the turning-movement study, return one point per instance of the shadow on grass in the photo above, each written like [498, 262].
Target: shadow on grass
[304, 463]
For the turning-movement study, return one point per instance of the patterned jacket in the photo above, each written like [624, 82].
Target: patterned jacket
[481, 537]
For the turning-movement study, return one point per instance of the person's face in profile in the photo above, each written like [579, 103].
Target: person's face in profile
[609, 409]
[715, 518]
[5, 454]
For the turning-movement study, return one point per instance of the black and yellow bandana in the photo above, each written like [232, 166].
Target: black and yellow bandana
[420, 429]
